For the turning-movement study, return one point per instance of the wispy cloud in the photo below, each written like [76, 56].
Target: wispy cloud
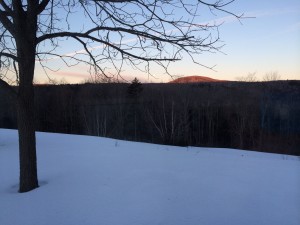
[271, 12]
[83, 51]
[71, 74]
[253, 14]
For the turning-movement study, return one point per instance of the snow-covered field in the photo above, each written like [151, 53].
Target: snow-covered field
[97, 181]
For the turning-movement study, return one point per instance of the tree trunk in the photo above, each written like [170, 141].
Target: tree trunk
[26, 122]
[26, 119]
[27, 143]
[25, 35]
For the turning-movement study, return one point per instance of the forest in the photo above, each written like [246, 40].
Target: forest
[259, 116]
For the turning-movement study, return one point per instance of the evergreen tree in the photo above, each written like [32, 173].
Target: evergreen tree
[135, 88]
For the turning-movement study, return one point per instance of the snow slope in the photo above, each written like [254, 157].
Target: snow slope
[97, 181]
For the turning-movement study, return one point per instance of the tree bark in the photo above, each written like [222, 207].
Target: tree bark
[27, 141]
[26, 27]
[26, 120]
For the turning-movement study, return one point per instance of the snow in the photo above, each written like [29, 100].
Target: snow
[91, 181]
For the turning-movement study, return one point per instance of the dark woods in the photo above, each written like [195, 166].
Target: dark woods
[256, 116]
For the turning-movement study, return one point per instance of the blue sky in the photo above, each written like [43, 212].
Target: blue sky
[270, 41]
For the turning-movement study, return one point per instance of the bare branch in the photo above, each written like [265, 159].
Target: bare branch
[42, 6]
[7, 9]
[219, 5]
[6, 22]
[9, 56]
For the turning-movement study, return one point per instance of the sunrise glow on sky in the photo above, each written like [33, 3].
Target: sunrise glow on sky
[268, 41]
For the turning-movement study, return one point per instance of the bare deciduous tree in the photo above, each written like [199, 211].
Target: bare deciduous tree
[251, 77]
[111, 32]
[271, 76]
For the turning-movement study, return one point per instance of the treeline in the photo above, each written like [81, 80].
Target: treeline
[263, 116]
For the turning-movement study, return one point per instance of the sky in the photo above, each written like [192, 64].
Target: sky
[266, 40]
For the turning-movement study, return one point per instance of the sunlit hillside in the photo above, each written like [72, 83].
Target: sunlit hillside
[195, 79]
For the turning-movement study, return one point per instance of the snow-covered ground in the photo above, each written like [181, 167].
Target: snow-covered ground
[98, 181]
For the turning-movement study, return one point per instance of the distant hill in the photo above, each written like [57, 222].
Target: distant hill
[195, 79]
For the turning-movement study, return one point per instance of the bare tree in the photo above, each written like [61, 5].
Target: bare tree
[112, 33]
[250, 77]
[271, 76]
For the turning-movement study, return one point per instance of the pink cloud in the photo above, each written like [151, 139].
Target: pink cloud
[71, 74]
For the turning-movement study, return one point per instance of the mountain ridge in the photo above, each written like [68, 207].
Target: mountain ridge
[195, 79]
